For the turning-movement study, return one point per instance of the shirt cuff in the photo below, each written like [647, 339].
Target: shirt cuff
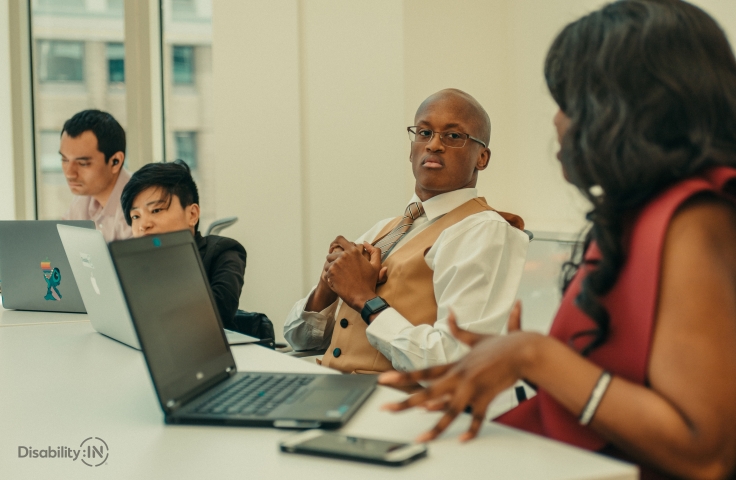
[385, 328]
[317, 320]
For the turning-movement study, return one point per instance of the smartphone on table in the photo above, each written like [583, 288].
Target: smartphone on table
[337, 445]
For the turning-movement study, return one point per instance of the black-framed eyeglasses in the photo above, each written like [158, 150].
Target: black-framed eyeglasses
[449, 139]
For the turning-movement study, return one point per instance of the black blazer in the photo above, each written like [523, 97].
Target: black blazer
[224, 262]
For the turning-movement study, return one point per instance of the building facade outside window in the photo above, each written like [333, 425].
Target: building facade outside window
[115, 6]
[186, 148]
[78, 63]
[49, 154]
[115, 63]
[187, 84]
[62, 6]
[183, 10]
[183, 64]
[60, 61]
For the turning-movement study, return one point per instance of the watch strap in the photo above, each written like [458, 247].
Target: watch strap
[367, 310]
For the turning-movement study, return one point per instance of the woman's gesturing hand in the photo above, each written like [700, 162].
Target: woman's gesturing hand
[492, 365]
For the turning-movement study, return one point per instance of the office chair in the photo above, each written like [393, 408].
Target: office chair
[249, 323]
[219, 225]
[256, 325]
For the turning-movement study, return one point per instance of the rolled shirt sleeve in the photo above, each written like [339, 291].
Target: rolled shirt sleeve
[477, 266]
[306, 330]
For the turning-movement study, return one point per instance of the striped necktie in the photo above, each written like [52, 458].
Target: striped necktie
[389, 241]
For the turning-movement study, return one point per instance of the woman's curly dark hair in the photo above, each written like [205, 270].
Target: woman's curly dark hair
[650, 90]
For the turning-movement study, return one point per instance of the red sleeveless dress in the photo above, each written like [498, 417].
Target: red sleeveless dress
[631, 305]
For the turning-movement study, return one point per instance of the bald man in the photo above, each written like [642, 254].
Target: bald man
[382, 301]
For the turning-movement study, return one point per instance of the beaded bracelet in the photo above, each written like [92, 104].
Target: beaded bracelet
[595, 398]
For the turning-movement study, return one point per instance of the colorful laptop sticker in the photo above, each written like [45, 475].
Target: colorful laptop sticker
[53, 280]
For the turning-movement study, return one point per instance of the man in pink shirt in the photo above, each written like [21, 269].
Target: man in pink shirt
[92, 156]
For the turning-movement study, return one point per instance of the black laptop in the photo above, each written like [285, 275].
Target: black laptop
[189, 359]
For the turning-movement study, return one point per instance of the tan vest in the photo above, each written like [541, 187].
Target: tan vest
[409, 289]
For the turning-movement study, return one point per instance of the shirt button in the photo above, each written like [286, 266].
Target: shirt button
[336, 352]
[344, 323]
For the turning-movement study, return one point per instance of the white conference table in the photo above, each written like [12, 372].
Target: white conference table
[61, 382]
[17, 318]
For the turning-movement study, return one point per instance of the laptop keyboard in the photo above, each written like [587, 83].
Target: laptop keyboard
[255, 395]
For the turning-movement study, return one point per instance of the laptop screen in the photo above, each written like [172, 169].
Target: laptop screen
[173, 310]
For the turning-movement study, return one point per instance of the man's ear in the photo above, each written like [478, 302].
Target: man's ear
[483, 159]
[116, 162]
[192, 214]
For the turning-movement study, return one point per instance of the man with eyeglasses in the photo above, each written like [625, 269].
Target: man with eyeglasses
[383, 301]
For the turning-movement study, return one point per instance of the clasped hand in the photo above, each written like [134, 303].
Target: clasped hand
[353, 271]
[491, 366]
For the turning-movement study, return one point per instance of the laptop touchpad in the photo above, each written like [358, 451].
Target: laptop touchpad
[318, 404]
[325, 398]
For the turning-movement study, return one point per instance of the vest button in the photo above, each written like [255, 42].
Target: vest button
[344, 323]
[336, 352]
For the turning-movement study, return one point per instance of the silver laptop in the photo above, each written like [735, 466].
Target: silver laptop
[98, 283]
[191, 365]
[35, 271]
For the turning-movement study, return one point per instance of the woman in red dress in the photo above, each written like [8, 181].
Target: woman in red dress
[640, 361]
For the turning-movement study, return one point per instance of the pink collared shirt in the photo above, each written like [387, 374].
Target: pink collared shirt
[108, 219]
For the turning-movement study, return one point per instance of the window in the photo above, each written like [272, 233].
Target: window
[115, 63]
[183, 9]
[183, 64]
[186, 148]
[49, 154]
[79, 62]
[115, 6]
[78, 54]
[60, 6]
[61, 61]
[187, 76]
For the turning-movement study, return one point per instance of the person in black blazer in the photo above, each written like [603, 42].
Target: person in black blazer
[163, 197]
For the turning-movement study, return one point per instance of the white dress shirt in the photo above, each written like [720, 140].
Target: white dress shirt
[477, 265]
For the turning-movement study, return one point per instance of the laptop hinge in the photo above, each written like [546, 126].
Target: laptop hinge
[174, 404]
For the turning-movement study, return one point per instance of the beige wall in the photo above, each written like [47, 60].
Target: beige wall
[296, 81]
[495, 50]
[258, 134]
[353, 142]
